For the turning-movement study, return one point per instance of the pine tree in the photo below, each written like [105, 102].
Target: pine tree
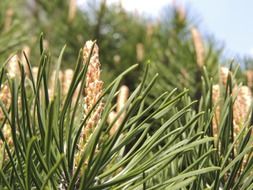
[68, 120]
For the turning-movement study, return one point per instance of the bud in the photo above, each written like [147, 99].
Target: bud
[94, 85]
[241, 106]
[216, 117]
[92, 93]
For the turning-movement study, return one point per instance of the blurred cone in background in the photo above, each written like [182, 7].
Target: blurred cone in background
[8, 19]
[67, 78]
[52, 83]
[121, 101]
[5, 97]
[27, 51]
[75, 95]
[140, 52]
[6, 130]
[149, 32]
[180, 10]
[224, 72]
[72, 10]
[13, 67]
[35, 71]
[122, 97]
[249, 74]
[116, 59]
[198, 46]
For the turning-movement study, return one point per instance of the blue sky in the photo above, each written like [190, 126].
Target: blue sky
[229, 21]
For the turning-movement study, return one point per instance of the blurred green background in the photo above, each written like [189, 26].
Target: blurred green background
[124, 39]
